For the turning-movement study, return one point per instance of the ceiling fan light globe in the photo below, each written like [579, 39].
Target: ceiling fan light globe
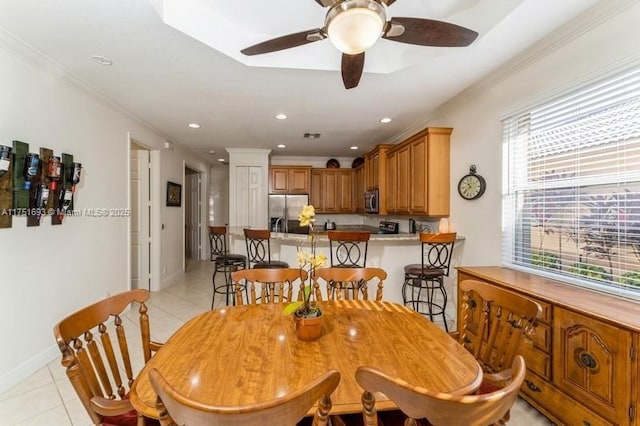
[354, 26]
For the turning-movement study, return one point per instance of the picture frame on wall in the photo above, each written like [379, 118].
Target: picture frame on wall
[174, 194]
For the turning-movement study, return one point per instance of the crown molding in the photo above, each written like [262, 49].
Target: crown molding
[578, 26]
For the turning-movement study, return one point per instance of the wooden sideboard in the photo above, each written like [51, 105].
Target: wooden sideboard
[581, 368]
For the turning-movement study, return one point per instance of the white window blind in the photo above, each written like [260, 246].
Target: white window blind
[571, 196]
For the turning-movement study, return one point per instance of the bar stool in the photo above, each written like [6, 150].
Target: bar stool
[259, 249]
[423, 288]
[348, 249]
[224, 262]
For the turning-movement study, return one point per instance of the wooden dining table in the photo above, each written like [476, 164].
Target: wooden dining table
[241, 355]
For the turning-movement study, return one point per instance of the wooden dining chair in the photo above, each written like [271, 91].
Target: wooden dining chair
[494, 324]
[440, 409]
[349, 283]
[95, 364]
[275, 285]
[177, 409]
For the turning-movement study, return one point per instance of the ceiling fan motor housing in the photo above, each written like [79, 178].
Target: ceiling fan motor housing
[355, 25]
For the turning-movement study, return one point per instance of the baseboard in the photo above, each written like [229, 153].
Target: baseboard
[171, 279]
[27, 368]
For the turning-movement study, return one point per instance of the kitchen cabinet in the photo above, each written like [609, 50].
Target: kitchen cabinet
[358, 189]
[581, 363]
[404, 184]
[420, 181]
[289, 179]
[331, 190]
[390, 201]
[375, 171]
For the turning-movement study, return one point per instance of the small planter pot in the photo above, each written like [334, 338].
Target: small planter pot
[308, 328]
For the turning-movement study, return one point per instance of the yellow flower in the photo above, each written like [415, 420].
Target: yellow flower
[318, 260]
[307, 215]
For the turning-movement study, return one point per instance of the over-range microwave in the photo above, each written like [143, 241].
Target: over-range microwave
[371, 201]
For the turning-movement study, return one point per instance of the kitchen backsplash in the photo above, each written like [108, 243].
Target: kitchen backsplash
[374, 220]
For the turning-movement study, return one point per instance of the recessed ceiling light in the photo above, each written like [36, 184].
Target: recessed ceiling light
[102, 60]
[282, 145]
[385, 120]
[194, 125]
[222, 160]
[354, 147]
[281, 116]
[212, 152]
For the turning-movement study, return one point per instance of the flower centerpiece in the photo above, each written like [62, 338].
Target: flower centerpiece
[308, 261]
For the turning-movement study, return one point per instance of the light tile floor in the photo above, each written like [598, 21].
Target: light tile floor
[47, 398]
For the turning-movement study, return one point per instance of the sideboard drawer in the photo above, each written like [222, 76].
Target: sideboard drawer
[558, 404]
[538, 362]
[541, 337]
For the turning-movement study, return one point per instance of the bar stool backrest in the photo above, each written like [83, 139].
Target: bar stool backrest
[348, 248]
[437, 250]
[218, 241]
[258, 245]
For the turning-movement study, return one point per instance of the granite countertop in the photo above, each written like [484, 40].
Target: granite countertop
[321, 235]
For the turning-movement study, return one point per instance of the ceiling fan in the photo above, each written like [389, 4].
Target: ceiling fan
[355, 25]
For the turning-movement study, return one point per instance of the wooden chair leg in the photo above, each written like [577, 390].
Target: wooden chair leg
[369, 414]
[322, 416]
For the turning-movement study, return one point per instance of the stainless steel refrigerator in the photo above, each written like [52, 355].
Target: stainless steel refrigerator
[284, 211]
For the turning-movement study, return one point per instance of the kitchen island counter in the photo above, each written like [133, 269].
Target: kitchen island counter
[390, 252]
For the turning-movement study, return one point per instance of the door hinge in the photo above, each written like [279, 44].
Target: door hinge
[632, 353]
[632, 413]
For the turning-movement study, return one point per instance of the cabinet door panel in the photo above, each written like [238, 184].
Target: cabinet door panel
[315, 197]
[419, 176]
[279, 180]
[330, 198]
[391, 182]
[344, 191]
[405, 180]
[299, 180]
[592, 363]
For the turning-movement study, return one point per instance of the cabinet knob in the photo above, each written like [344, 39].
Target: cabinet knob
[586, 423]
[587, 360]
[532, 386]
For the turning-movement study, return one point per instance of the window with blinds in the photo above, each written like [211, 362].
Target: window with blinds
[571, 196]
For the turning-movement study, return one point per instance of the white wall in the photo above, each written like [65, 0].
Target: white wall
[48, 272]
[475, 117]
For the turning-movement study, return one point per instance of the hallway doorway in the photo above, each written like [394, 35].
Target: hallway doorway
[192, 216]
[140, 202]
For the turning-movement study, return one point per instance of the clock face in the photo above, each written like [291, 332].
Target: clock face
[471, 186]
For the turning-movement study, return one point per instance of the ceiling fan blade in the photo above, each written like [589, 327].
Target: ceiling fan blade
[352, 66]
[387, 2]
[427, 32]
[325, 3]
[285, 42]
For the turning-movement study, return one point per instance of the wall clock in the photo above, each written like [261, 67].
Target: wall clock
[472, 185]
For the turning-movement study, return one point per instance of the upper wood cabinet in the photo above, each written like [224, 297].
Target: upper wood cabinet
[391, 200]
[375, 173]
[289, 179]
[315, 196]
[332, 190]
[420, 182]
[358, 189]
